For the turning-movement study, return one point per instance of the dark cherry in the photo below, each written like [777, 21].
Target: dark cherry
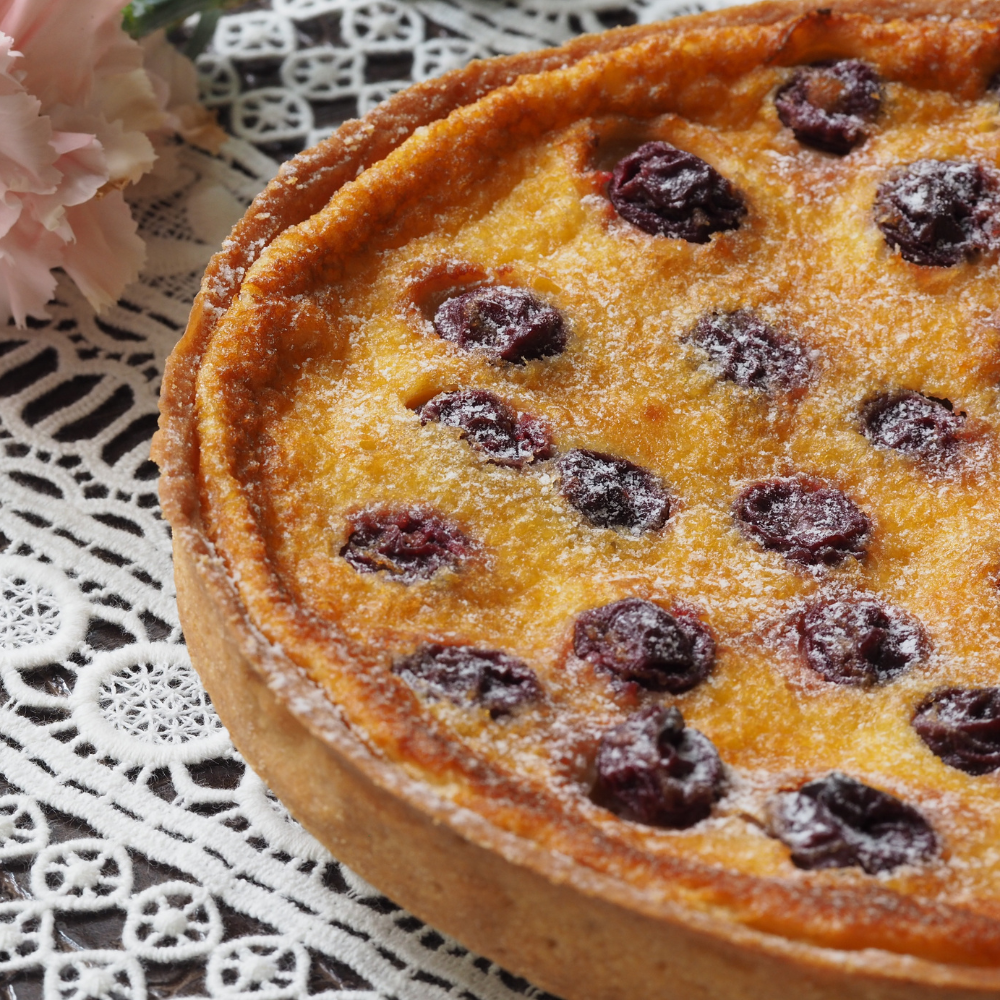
[652, 769]
[938, 212]
[504, 323]
[491, 426]
[859, 641]
[837, 822]
[830, 104]
[667, 192]
[962, 727]
[637, 640]
[612, 492]
[749, 352]
[408, 543]
[806, 520]
[494, 680]
[913, 423]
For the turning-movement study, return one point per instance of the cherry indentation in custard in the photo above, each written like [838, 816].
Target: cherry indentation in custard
[807, 521]
[613, 492]
[666, 192]
[504, 323]
[939, 212]
[830, 104]
[859, 641]
[489, 678]
[652, 769]
[637, 640]
[962, 727]
[407, 543]
[910, 422]
[491, 426]
[746, 350]
[838, 821]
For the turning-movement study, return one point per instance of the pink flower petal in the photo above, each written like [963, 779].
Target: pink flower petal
[28, 252]
[107, 254]
[26, 156]
[78, 110]
[176, 75]
[83, 166]
[83, 171]
[63, 41]
[10, 212]
[175, 81]
[9, 77]
[128, 154]
[71, 142]
[131, 99]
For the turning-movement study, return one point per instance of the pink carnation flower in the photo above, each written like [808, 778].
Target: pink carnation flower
[76, 111]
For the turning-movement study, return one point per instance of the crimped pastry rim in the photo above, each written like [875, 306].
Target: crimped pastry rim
[290, 199]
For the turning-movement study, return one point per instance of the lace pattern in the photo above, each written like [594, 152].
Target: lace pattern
[285, 76]
[139, 856]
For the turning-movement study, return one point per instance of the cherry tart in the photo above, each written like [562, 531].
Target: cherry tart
[586, 503]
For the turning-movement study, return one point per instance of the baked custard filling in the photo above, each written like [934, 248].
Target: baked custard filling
[620, 454]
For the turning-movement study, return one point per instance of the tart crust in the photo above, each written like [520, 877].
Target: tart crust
[578, 931]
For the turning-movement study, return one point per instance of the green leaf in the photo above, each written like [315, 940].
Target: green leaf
[141, 17]
[202, 34]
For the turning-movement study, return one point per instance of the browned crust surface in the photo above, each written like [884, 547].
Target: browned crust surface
[257, 689]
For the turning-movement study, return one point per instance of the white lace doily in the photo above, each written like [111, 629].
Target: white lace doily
[283, 75]
[139, 857]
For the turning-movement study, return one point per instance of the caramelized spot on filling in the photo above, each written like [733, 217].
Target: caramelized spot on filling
[666, 192]
[837, 822]
[652, 769]
[637, 640]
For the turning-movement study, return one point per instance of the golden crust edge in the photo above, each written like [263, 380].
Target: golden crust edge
[271, 687]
